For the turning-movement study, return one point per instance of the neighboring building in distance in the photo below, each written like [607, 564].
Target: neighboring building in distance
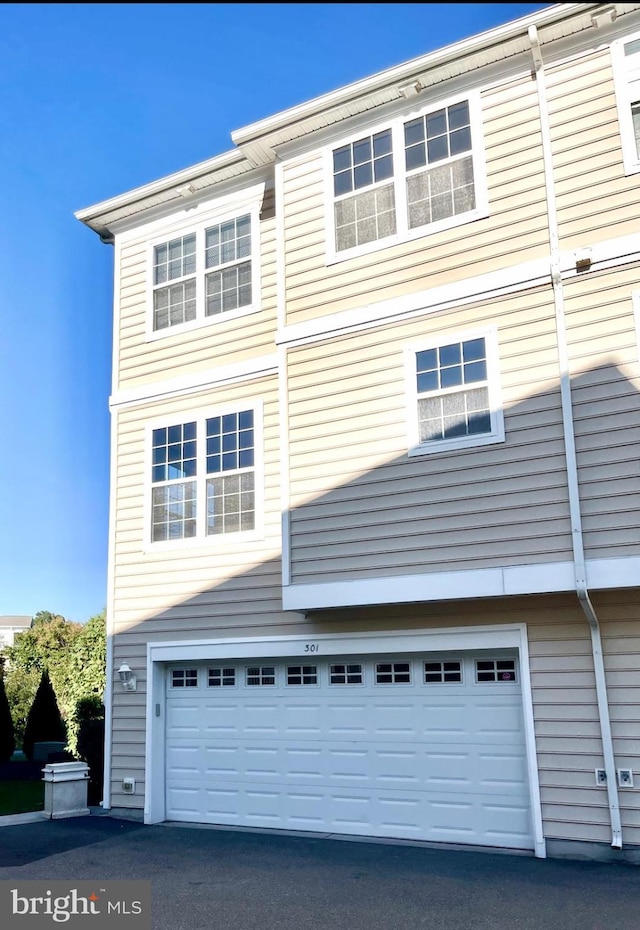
[375, 532]
[10, 627]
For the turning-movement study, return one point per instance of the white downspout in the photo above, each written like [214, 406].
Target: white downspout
[580, 574]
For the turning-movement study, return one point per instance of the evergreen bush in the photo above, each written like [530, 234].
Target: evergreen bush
[7, 734]
[44, 723]
[89, 720]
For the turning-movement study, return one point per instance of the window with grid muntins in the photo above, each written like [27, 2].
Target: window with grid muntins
[174, 303]
[261, 675]
[632, 61]
[434, 177]
[393, 673]
[228, 249]
[345, 674]
[230, 473]
[203, 477]
[221, 677]
[453, 391]
[204, 274]
[365, 210]
[495, 670]
[441, 672]
[184, 678]
[174, 493]
[440, 181]
[302, 675]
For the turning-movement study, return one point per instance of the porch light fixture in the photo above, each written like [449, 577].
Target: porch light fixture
[128, 679]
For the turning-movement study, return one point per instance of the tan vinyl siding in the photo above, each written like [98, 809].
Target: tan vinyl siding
[155, 581]
[218, 341]
[594, 198]
[605, 378]
[567, 728]
[516, 196]
[361, 507]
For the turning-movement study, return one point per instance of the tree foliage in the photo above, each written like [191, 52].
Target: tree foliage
[73, 655]
[89, 721]
[7, 738]
[44, 723]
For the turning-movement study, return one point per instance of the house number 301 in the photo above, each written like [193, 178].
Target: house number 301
[311, 647]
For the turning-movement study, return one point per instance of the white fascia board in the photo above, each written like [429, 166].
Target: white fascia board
[545, 578]
[402, 72]
[89, 215]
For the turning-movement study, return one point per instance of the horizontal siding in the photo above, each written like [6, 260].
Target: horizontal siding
[504, 504]
[563, 692]
[167, 582]
[516, 201]
[603, 353]
[594, 198]
[217, 342]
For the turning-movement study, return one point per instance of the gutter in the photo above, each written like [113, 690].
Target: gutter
[579, 567]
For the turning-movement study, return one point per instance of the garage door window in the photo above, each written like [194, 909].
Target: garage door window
[345, 674]
[184, 678]
[261, 675]
[495, 670]
[440, 672]
[302, 675]
[393, 673]
[221, 677]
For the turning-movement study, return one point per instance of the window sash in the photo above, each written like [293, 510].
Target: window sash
[205, 273]
[203, 477]
[418, 196]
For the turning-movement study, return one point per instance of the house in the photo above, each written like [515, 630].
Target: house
[10, 627]
[375, 503]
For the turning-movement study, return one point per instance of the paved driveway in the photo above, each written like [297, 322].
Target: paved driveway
[207, 879]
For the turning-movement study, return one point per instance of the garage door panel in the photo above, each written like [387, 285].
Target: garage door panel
[434, 762]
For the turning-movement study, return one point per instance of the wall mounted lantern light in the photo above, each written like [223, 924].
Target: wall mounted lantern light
[128, 679]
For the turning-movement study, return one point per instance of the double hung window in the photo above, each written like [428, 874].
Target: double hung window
[203, 476]
[415, 175]
[454, 393]
[626, 64]
[204, 274]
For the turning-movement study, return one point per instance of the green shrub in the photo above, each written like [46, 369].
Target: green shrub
[44, 723]
[7, 736]
[89, 721]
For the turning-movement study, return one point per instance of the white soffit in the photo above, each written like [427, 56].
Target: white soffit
[257, 142]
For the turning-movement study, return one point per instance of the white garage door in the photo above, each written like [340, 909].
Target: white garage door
[421, 747]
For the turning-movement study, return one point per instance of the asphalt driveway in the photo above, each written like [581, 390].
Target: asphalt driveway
[208, 879]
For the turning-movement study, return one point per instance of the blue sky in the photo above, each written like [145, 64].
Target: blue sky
[95, 99]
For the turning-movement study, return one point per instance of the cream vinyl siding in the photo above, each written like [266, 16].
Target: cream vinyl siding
[594, 198]
[185, 591]
[516, 202]
[157, 581]
[216, 342]
[568, 743]
[360, 507]
[605, 379]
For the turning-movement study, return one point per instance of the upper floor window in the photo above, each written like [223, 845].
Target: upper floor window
[453, 393]
[203, 477]
[413, 176]
[626, 64]
[208, 272]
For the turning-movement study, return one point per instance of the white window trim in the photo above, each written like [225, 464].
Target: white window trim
[415, 447]
[635, 297]
[404, 234]
[624, 99]
[201, 539]
[198, 226]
